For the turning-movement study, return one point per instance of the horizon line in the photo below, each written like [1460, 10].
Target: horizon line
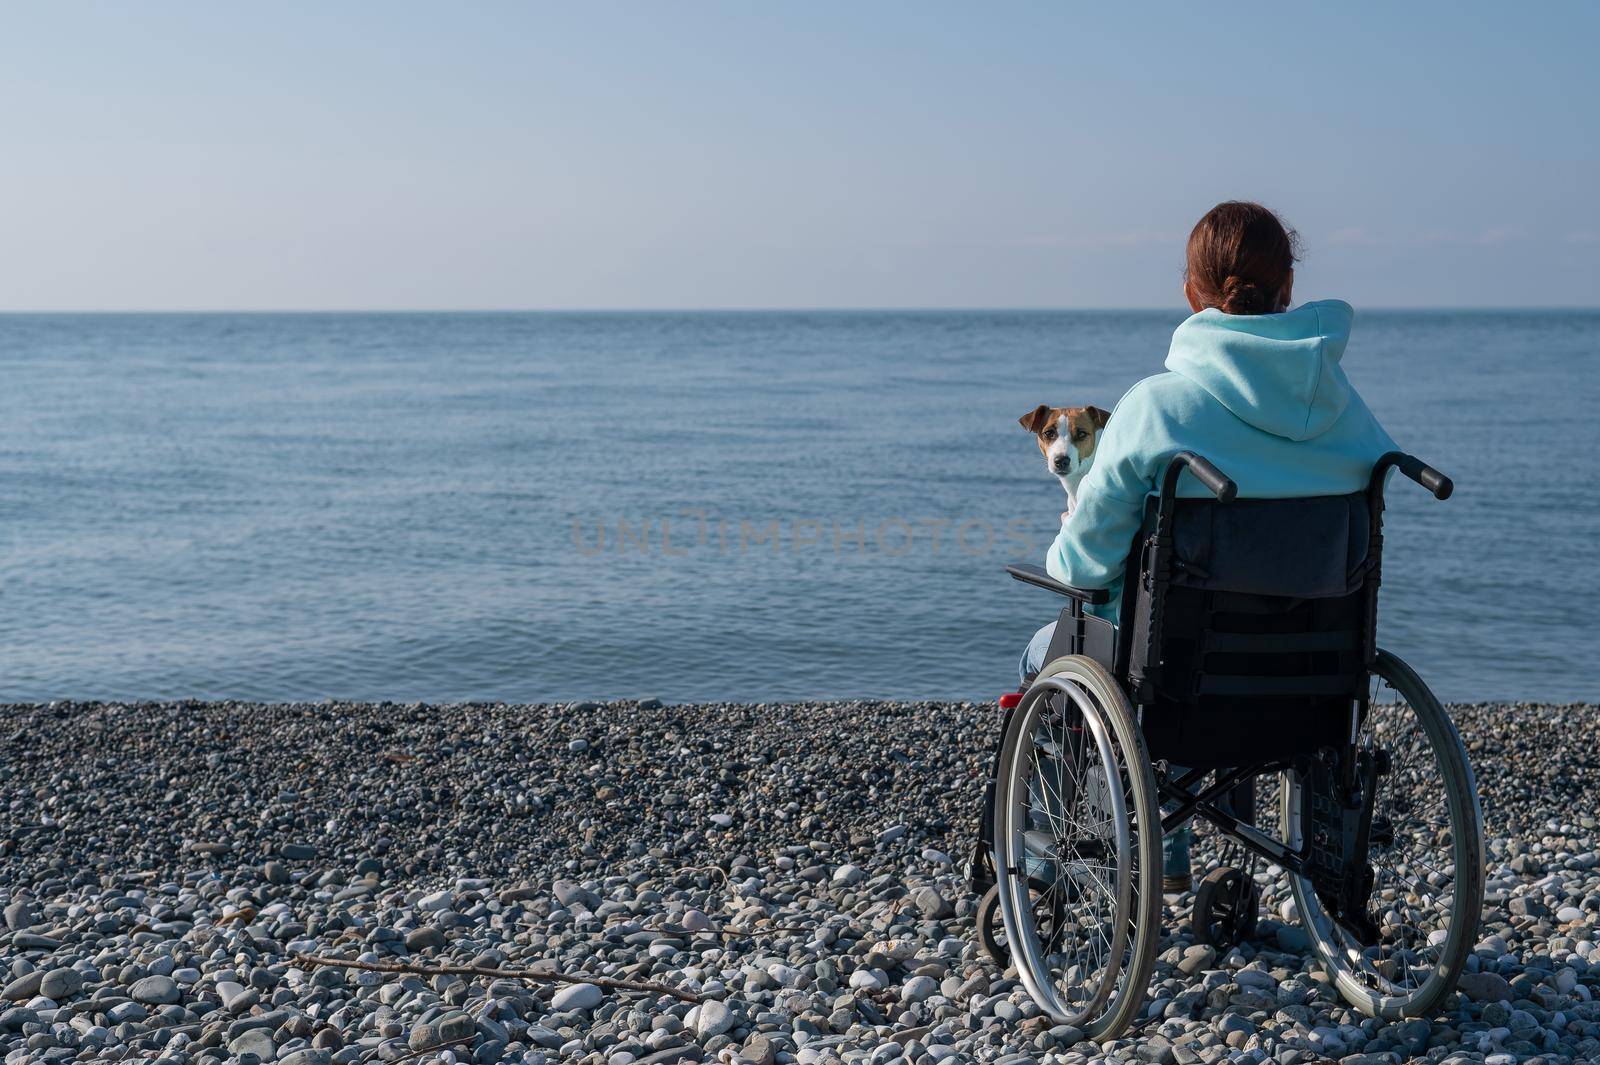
[864, 309]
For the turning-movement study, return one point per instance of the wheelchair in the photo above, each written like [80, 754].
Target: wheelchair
[1245, 655]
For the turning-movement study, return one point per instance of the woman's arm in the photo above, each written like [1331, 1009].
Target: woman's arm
[1092, 547]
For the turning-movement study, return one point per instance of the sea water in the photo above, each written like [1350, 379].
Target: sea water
[694, 506]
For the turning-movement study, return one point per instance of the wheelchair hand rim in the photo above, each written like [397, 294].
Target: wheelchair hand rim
[1011, 852]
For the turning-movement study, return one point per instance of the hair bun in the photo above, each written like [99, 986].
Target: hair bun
[1243, 297]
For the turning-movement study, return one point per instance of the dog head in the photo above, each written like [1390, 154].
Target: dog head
[1067, 437]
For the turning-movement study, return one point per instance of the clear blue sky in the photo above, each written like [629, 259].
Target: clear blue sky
[522, 155]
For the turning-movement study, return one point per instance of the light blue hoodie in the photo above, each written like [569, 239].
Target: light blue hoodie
[1262, 396]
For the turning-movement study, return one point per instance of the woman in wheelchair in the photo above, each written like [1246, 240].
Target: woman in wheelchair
[1209, 636]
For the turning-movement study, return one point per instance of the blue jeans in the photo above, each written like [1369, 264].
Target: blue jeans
[1174, 845]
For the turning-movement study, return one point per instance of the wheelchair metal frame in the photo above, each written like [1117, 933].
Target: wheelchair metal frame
[1072, 637]
[1152, 563]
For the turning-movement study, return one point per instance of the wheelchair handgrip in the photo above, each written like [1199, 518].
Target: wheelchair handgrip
[1419, 471]
[1220, 484]
[1428, 477]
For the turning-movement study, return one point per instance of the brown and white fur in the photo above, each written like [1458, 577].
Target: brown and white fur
[1067, 438]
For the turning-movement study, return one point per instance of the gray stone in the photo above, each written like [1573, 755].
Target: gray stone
[424, 1036]
[1196, 958]
[678, 1055]
[576, 997]
[13, 1019]
[1256, 979]
[759, 1050]
[309, 1056]
[127, 1011]
[23, 913]
[155, 991]
[257, 1041]
[428, 937]
[572, 895]
[1527, 906]
[23, 987]
[1485, 987]
[61, 984]
[231, 992]
[30, 941]
[715, 1018]
[934, 906]
[438, 900]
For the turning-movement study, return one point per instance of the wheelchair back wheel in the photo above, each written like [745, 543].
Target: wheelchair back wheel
[1426, 856]
[1077, 847]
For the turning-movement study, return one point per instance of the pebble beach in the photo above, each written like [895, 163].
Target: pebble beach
[633, 882]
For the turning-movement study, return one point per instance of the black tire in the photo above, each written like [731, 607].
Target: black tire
[991, 926]
[1075, 810]
[1226, 907]
[991, 929]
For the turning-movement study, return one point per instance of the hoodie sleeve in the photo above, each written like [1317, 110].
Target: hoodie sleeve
[1092, 546]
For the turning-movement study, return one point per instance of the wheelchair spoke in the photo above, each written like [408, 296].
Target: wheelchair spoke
[1072, 796]
[1423, 854]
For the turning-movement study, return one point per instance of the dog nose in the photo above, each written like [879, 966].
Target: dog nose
[1063, 464]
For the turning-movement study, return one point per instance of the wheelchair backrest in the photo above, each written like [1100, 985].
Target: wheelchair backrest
[1249, 622]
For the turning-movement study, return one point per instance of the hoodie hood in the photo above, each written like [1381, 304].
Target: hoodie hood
[1277, 372]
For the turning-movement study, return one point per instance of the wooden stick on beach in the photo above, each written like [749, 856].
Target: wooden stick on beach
[508, 974]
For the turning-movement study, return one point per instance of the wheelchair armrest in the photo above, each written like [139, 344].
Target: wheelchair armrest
[1036, 576]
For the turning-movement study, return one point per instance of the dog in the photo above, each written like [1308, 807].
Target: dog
[1067, 438]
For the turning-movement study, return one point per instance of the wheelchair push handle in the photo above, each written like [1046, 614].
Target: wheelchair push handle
[1419, 471]
[1219, 483]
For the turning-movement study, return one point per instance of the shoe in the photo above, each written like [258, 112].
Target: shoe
[1177, 883]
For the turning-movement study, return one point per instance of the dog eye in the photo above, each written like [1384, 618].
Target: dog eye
[1079, 435]
[1049, 434]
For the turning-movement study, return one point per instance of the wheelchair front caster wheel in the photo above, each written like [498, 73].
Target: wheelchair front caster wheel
[1049, 916]
[1226, 906]
[991, 928]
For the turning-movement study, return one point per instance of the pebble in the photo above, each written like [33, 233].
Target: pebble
[1485, 987]
[60, 984]
[714, 1018]
[849, 874]
[21, 914]
[576, 997]
[257, 1041]
[790, 864]
[155, 991]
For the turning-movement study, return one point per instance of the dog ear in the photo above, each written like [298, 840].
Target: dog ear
[1035, 419]
[1099, 417]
